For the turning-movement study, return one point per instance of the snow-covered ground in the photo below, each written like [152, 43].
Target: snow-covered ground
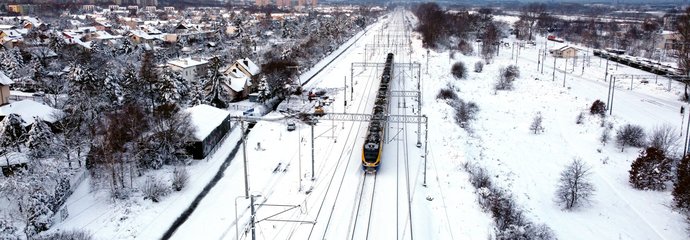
[280, 170]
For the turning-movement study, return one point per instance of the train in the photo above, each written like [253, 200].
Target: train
[373, 144]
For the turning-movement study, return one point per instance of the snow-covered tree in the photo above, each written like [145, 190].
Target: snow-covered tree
[651, 170]
[12, 132]
[681, 188]
[11, 62]
[172, 88]
[132, 86]
[216, 86]
[39, 138]
[171, 131]
[574, 186]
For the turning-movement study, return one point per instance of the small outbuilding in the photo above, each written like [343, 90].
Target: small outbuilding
[211, 126]
[566, 51]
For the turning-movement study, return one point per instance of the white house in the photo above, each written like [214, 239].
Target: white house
[191, 69]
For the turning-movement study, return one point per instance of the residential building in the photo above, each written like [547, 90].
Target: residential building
[191, 69]
[5, 83]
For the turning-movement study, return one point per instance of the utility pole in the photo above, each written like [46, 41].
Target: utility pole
[613, 90]
[606, 74]
[538, 59]
[313, 122]
[244, 155]
[687, 132]
[345, 97]
[253, 217]
[565, 70]
[553, 77]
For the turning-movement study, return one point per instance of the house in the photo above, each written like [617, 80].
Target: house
[669, 40]
[246, 66]
[5, 88]
[211, 126]
[239, 84]
[191, 69]
[564, 51]
[11, 37]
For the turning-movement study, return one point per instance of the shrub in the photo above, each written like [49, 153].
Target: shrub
[180, 178]
[650, 170]
[598, 107]
[459, 70]
[478, 66]
[464, 111]
[580, 118]
[154, 189]
[537, 125]
[574, 186]
[511, 72]
[605, 136]
[506, 78]
[681, 188]
[64, 235]
[446, 94]
[465, 47]
[630, 135]
[664, 138]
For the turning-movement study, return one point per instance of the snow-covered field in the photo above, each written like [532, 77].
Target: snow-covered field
[528, 165]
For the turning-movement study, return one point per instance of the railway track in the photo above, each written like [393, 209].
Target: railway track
[361, 223]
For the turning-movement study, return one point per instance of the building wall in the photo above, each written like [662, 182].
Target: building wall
[4, 95]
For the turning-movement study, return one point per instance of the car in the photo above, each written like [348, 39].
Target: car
[291, 126]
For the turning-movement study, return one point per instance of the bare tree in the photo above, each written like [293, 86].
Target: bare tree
[664, 138]
[683, 28]
[574, 186]
[530, 14]
[537, 125]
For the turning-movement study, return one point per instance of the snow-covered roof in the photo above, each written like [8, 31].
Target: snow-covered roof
[251, 67]
[28, 109]
[238, 81]
[187, 62]
[206, 118]
[13, 158]
[4, 80]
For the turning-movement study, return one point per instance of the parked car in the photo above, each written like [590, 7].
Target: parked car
[291, 126]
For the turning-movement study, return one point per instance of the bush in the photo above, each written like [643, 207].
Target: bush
[446, 94]
[650, 170]
[681, 188]
[511, 72]
[459, 70]
[580, 118]
[574, 186]
[510, 221]
[180, 178]
[478, 66]
[630, 135]
[464, 111]
[67, 235]
[506, 78]
[664, 138]
[154, 189]
[598, 107]
[465, 47]
[605, 136]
